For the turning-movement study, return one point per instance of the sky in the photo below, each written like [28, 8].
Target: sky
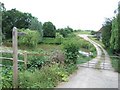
[77, 14]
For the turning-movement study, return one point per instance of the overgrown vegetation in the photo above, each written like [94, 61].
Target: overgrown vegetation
[111, 37]
[46, 77]
[71, 48]
[49, 30]
[114, 59]
[106, 33]
[48, 71]
[116, 63]
[30, 39]
[111, 33]
[65, 31]
[59, 51]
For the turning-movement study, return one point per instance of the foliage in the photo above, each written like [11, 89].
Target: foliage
[1, 9]
[93, 32]
[48, 40]
[47, 77]
[65, 32]
[37, 61]
[111, 33]
[49, 30]
[14, 18]
[6, 77]
[116, 63]
[30, 39]
[71, 48]
[106, 32]
[59, 38]
[113, 40]
[86, 45]
[115, 37]
[36, 25]
[83, 59]
[70, 68]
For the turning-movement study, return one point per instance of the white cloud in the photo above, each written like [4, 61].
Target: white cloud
[78, 14]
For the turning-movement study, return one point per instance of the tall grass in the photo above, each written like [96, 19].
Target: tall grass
[46, 77]
[116, 63]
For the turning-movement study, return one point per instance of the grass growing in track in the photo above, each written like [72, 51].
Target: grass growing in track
[115, 60]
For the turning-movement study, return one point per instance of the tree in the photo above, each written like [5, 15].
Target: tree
[62, 32]
[36, 25]
[115, 37]
[2, 9]
[15, 18]
[93, 32]
[49, 30]
[65, 31]
[106, 32]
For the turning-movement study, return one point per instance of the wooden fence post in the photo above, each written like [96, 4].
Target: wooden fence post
[25, 59]
[15, 58]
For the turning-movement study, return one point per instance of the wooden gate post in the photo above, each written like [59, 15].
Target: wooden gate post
[15, 58]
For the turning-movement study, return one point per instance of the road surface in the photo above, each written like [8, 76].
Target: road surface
[93, 78]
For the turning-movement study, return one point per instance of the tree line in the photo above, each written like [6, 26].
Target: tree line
[14, 18]
[111, 32]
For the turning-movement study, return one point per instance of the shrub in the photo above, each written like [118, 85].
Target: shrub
[65, 32]
[6, 77]
[70, 68]
[71, 48]
[49, 30]
[93, 32]
[59, 38]
[48, 40]
[116, 64]
[30, 39]
[47, 77]
[37, 61]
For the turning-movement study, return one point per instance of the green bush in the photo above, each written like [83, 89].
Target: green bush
[116, 63]
[87, 45]
[70, 68]
[47, 77]
[59, 38]
[65, 31]
[49, 30]
[48, 40]
[30, 39]
[7, 77]
[71, 48]
[37, 61]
